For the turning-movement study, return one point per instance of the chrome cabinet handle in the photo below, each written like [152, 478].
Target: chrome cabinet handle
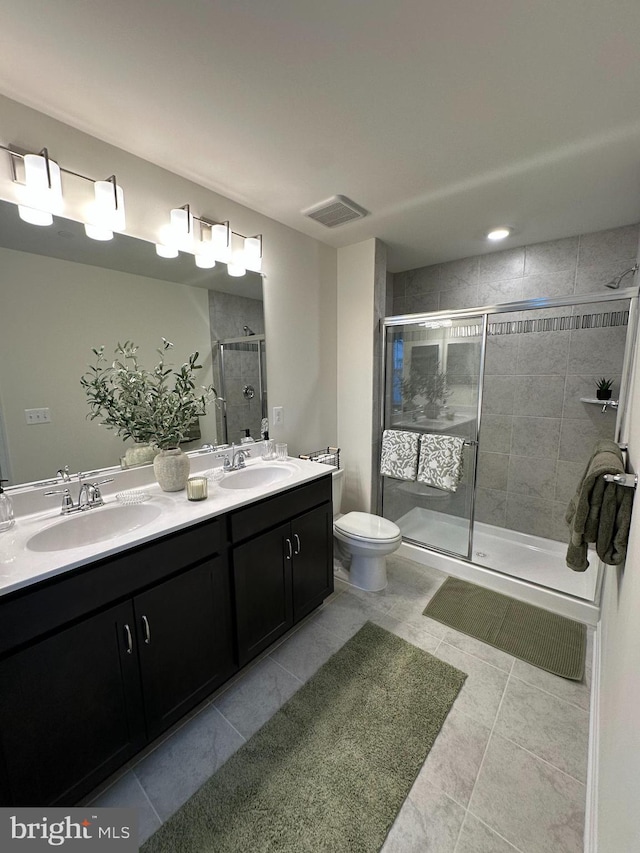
[298, 545]
[127, 631]
[147, 630]
[289, 549]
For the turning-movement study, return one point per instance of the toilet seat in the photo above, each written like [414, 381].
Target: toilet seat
[367, 527]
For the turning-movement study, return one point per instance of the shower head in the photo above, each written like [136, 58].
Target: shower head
[247, 331]
[614, 284]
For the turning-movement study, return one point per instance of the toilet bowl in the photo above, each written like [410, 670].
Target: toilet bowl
[364, 541]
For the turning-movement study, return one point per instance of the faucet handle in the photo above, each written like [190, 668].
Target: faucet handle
[67, 500]
[63, 474]
[97, 499]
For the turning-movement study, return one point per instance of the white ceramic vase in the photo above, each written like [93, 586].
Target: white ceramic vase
[139, 454]
[171, 468]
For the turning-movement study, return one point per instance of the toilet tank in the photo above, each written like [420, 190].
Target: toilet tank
[337, 477]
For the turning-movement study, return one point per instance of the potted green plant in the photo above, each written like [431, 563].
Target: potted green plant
[156, 407]
[427, 389]
[603, 389]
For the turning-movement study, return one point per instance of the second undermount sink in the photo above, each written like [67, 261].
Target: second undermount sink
[260, 475]
[94, 525]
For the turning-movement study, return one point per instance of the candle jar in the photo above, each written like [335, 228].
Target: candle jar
[196, 488]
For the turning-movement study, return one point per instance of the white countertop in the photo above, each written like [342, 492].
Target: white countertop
[21, 567]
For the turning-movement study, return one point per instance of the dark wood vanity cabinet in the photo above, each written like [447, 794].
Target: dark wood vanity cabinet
[281, 571]
[98, 661]
[77, 702]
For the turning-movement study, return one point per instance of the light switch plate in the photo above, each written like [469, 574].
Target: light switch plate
[278, 415]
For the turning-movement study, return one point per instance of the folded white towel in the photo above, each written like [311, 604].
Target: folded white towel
[440, 462]
[399, 456]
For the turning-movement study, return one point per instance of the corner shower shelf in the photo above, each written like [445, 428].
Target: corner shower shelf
[612, 403]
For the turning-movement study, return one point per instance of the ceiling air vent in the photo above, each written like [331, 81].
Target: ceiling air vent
[337, 210]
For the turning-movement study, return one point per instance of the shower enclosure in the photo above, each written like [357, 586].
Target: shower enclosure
[518, 383]
[240, 364]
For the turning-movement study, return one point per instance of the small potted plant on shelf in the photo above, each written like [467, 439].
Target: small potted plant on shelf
[147, 406]
[603, 389]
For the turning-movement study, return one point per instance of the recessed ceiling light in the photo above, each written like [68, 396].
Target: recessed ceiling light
[499, 233]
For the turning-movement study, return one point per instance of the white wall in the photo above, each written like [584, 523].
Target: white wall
[356, 329]
[300, 283]
[619, 694]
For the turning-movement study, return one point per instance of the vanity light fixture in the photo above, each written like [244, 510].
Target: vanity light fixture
[499, 233]
[42, 187]
[42, 194]
[253, 253]
[106, 213]
[236, 266]
[214, 242]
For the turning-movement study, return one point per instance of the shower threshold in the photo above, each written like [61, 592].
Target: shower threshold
[527, 567]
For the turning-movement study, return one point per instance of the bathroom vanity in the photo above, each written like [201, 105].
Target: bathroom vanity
[101, 655]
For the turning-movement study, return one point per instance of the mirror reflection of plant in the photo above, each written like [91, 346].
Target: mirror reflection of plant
[431, 387]
[146, 405]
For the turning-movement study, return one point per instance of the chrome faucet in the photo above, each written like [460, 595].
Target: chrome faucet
[237, 459]
[89, 497]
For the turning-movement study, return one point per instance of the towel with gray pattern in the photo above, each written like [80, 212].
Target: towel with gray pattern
[399, 456]
[440, 463]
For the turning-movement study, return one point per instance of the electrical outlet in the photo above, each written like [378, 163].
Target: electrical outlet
[278, 415]
[38, 416]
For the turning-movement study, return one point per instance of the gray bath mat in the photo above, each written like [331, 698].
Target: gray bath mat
[331, 769]
[530, 633]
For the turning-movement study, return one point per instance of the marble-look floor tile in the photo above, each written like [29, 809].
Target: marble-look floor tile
[475, 837]
[304, 652]
[413, 574]
[127, 793]
[487, 653]
[346, 615]
[551, 728]
[454, 760]
[427, 821]
[416, 635]
[255, 698]
[577, 692]
[482, 691]
[180, 765]
[534, 806]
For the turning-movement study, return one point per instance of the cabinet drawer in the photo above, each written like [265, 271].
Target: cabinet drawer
[37, 610]
[252, 520]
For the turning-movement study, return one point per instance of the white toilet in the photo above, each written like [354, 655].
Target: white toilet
[364, 540]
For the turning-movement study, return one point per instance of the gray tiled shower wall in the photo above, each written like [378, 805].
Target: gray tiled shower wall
[228, 314]
[536, 435]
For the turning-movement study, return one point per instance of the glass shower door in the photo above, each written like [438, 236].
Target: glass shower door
[433, 385]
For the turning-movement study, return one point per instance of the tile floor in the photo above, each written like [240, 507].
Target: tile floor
[506, 774]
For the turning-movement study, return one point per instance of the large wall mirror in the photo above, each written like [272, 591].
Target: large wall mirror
[63, 294]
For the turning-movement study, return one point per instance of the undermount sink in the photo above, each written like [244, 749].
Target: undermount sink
[94, 525]
[253, 478]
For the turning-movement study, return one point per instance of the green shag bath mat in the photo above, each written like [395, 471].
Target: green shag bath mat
[331, 769]
[530, 633]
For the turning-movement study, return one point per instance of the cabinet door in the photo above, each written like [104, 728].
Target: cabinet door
[262, 574]
[70, 710]
[312, 536]
[184, 641]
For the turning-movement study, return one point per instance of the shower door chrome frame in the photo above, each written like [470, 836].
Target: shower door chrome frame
[630, 293]
[410, 319]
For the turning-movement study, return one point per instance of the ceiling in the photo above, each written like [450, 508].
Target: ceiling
[442, 118]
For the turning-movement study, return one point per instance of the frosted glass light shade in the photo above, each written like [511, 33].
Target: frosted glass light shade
[220, 236]
[41, 200]
[164, 251]
[205, 259]
[253, 253]
[103, 216]
[236, 264]
[181, 228]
